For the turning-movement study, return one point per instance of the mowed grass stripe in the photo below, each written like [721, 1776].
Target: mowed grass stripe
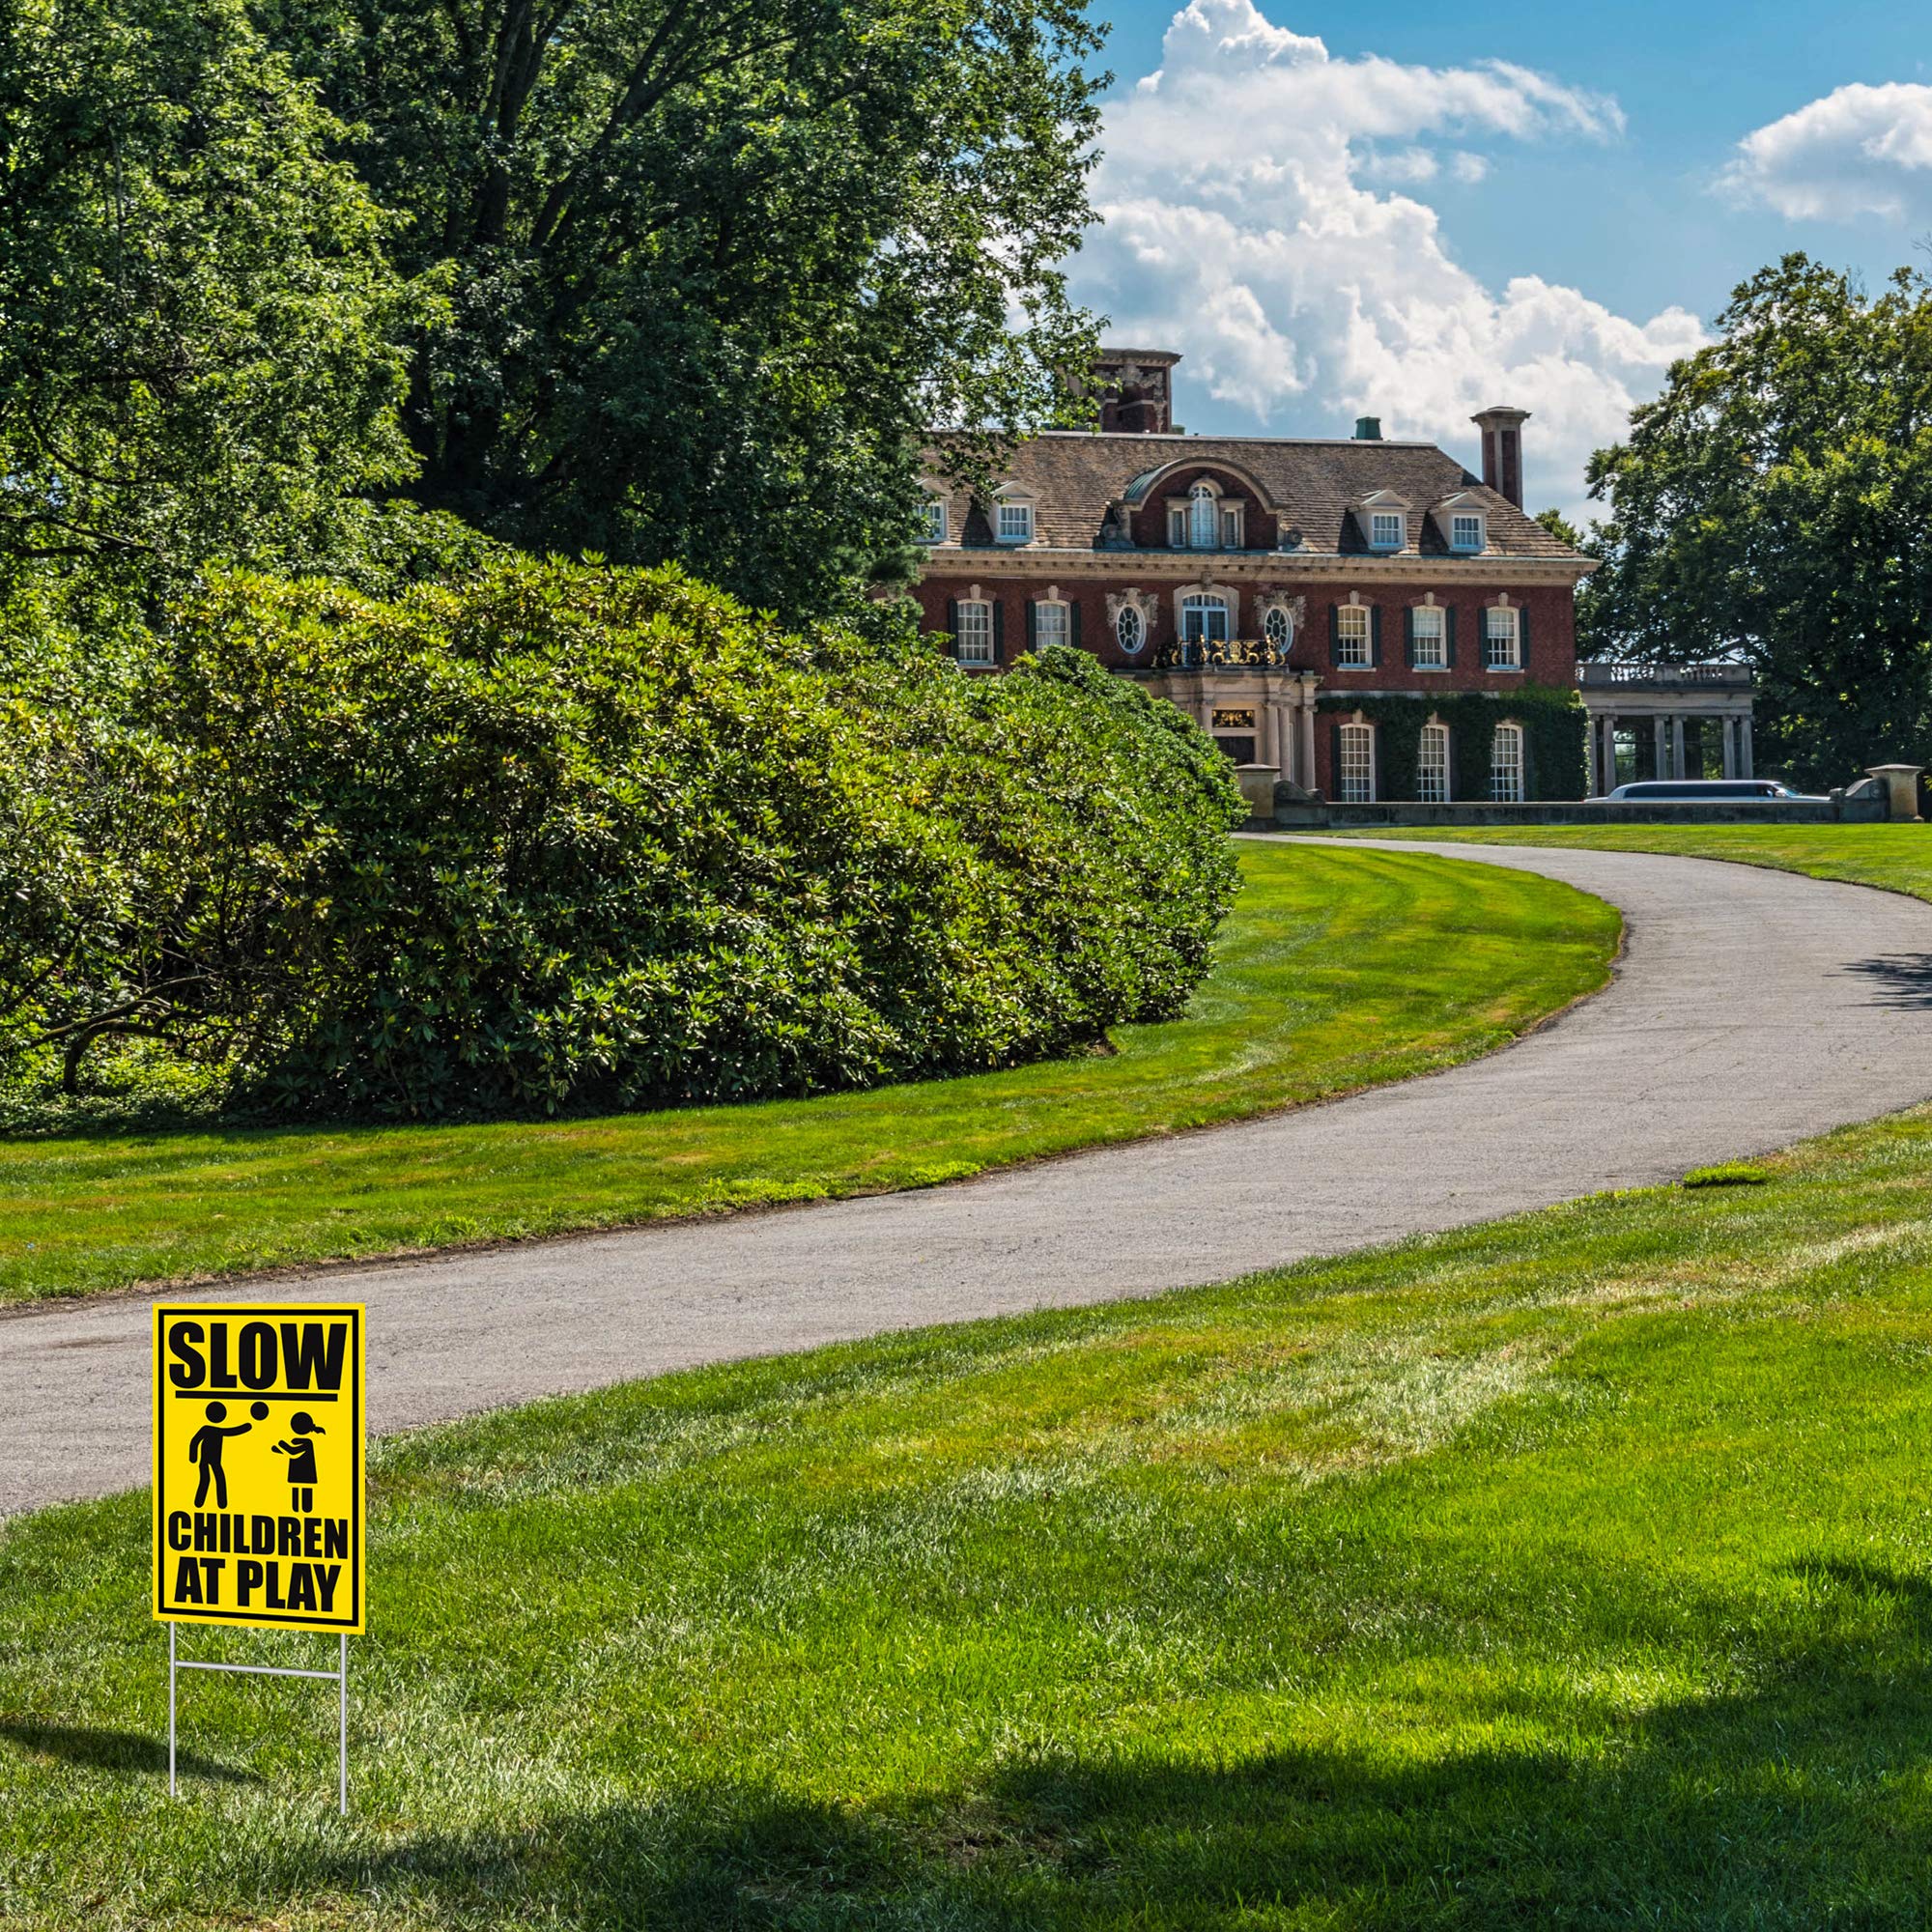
[1337, 969]
[1566, 1571]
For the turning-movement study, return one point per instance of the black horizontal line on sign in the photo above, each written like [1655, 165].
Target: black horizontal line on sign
[251, 1395]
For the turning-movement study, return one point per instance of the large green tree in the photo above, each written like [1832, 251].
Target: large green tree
[1774, 504]
[714, 267]
[199, 325]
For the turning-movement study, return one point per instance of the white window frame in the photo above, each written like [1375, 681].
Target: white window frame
[1140, 628]
[938, 525]
[1431, 764]
[1356, 746]
[973, 640]
[1436, 614]
[1501, 628]
[1393, 540]
[1204, 518]
[1506, 782]
[1475, 518]
[1063, 615]
[1204, 601]
[1019, 508]
[1274, 619]
[1345, 640]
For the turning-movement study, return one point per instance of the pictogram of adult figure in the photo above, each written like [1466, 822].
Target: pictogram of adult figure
[302, 1461]
[205, 1447]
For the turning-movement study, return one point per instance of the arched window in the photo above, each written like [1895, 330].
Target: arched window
[1203, 525]
[1278, 628]
[1204, 616]
[1130, 629]
[1506, 765]
[1355, 763]
[1432, 766]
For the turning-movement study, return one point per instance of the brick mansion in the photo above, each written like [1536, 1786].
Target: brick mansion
[1284, 591]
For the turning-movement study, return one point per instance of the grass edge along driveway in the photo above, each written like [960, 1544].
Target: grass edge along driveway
[1895, 858]
[1336, 970]
[1567, 1570]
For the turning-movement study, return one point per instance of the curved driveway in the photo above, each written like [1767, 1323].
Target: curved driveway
[1751, 1009]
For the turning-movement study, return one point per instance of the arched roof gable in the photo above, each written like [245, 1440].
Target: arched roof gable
[1143, 485]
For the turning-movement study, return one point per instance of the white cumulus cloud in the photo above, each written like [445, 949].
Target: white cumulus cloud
[1254, 218]
[1857, 150]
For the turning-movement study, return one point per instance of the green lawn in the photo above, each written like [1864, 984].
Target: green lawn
[1894, 856]
[1338, 969]
[1571, 1571]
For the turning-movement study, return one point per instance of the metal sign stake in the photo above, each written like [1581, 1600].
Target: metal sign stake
[339, 1677]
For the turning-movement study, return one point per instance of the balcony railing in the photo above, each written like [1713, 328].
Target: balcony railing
[1666, 677]
[1220, 653]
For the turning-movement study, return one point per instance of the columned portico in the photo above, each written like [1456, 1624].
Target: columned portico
[1264, 710]
[1669, 699]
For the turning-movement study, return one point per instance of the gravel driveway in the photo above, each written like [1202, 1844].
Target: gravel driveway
[1751, 1009]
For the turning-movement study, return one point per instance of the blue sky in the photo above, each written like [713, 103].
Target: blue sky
[1413, 209]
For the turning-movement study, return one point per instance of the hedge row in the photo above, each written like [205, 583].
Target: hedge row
[574, 836]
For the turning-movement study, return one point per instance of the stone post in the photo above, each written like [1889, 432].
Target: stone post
[1660, 731]
[1306, 776]
[1744, 752]
[1901, 789]
[1256, 783]
[1730, 729]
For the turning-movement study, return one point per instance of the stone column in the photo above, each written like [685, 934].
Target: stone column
[1305, 763]
[1901, 789]
[1659, 731]
[1744, 752]
[1730, 730]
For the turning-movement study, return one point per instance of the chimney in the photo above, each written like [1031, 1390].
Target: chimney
[1502, 451]
[1368, 429]
[1135, 387]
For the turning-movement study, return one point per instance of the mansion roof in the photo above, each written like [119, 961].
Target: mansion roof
[1316, 488]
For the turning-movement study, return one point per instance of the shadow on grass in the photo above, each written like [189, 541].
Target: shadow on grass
[1800, 1801]
[96, 1749]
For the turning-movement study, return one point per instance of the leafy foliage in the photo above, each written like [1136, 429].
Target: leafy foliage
[1774, 503]
[575, 835]
[1553, 737]
[713, 270]
[199, 352]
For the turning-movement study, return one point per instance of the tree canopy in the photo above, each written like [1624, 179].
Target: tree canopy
[713, 268]
[1774, 504]
[201, 349]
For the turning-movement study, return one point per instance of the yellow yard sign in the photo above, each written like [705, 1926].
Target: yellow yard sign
[258, 1465]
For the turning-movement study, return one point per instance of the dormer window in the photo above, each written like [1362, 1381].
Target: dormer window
[1015, 521]
[1466, 533]
[1207, 519]
[1202, 518]
[1386, 529]
[933, 523]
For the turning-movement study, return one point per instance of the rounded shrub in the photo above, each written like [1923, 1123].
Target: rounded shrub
[568, 836]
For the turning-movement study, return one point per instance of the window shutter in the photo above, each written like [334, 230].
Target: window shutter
[1073, 622]
[953, 622]
[1528, 741]
[1375, 634]
[999, 630]
[1031, 625]
[1334, 758]
[1522, 637]
[1452, 776]
[1409, 636]
[1334, 633]
[1449, 637]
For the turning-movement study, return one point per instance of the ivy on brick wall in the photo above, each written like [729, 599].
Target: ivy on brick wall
[1552, 734]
